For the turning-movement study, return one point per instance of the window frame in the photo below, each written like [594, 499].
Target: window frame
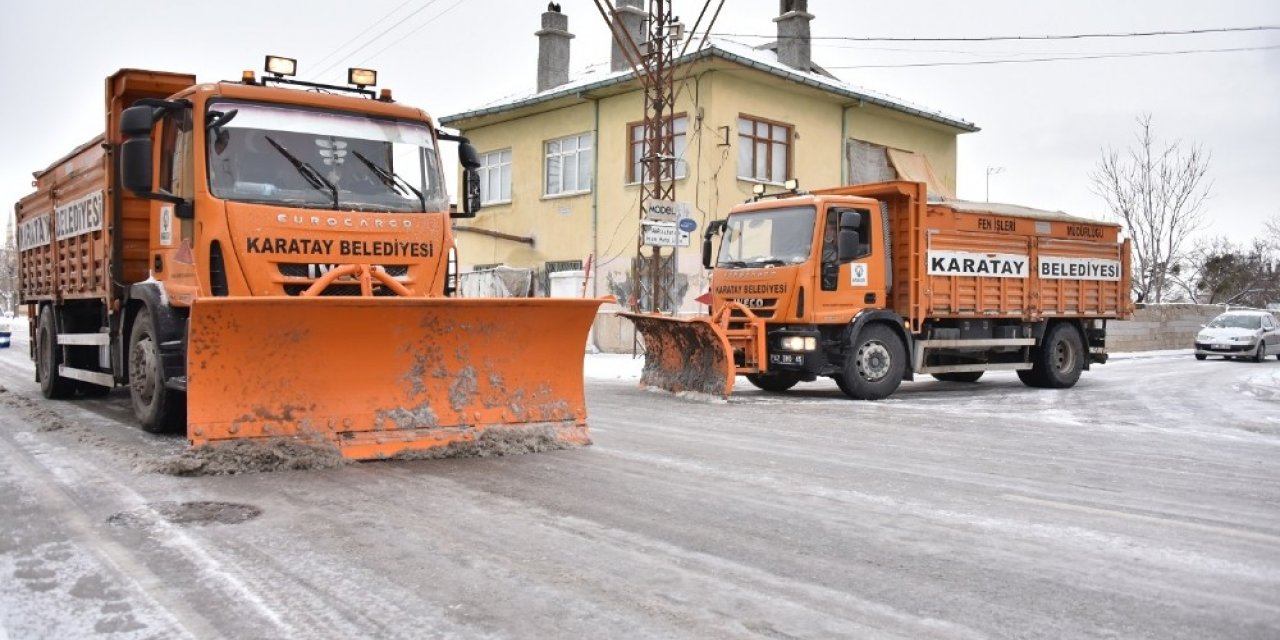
[577, 164]
[681, 169]
[788, 143]
[485, 170]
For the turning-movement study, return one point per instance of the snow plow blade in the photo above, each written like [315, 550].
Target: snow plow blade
[385, 377]
[685, 354]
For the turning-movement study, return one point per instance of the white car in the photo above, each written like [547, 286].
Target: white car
[1240, 334]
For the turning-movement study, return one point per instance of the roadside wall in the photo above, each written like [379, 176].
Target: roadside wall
[1162, 326]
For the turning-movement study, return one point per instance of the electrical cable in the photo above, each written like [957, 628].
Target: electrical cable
[361, 34]
[415, 30]
[1137, 54]
[375, 38]
[1074, 36]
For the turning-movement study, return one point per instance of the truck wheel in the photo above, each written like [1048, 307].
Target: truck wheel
[1031, 378]
[48, 357]
[159, 409]
[959, 376]
[776, 382]
[874, 365]
[1060, 358]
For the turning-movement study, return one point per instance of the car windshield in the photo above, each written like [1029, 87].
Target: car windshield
[302, 158]
[1236, 320]
[771, 237]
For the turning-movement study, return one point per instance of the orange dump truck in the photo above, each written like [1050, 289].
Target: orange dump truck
[873, 284]
[274, 258]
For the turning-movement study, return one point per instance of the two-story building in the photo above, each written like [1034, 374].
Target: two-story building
[561, 167]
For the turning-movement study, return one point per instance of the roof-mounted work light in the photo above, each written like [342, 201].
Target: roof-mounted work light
[362, 77]
[757, 189]
[791, 185]
[279, 66]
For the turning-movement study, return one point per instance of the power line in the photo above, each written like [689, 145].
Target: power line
[375, 38]
[359, 35]
[415, 30]
[1138, 54]
[1074, 36]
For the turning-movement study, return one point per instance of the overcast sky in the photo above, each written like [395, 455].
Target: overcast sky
[1044, 124]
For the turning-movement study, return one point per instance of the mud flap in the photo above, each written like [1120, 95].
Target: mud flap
[685, 354]
[380, 377]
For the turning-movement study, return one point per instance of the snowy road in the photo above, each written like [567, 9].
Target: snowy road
[1143, 503]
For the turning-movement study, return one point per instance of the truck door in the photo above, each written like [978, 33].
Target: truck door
[172, 255]
[854, 284]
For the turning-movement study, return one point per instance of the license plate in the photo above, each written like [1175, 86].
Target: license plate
[786, 358]
[1221, 346]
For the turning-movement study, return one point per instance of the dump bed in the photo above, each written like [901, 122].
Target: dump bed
[984, 260]
[79, 232]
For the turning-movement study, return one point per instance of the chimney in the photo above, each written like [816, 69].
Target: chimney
[793, 34]
[629, 15]
[553, 48]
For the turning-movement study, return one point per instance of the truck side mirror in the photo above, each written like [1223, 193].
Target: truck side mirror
[467, 156]
[135, 153]
[849, 239]
[470, 195]
[714, 228]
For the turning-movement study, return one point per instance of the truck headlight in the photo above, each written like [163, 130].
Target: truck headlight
[798, 343]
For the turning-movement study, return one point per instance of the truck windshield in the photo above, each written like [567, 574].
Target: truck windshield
[301, 158]
[770, 237]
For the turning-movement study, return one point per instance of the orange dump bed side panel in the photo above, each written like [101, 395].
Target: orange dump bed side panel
[63, 244]
[1008, 264]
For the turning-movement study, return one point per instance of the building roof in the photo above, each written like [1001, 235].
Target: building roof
[761, 59]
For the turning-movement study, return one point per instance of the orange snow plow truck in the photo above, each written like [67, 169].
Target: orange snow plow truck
[274, 258]
[873, 284]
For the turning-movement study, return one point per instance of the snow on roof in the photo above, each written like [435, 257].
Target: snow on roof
[762, 59]
[1015, 210]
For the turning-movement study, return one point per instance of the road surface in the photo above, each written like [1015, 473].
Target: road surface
[1144, 503]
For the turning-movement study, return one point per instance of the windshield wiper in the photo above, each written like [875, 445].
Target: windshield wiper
[307, 171]
[391, 180]
[771, 261]
[737, 264]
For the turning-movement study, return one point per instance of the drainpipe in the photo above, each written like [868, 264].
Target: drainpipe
[844, 144]
[595, 196]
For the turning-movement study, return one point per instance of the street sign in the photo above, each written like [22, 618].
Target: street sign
[666, 210]
[659, 234]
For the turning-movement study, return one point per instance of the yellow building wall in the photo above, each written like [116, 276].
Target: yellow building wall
[604, 223]
[880, 126]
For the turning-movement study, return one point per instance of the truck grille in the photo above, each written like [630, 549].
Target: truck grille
[338, 290]
[762, 307]
[315, 270]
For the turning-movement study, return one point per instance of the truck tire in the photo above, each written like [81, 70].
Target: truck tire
[1059, 360]
[874, 365]
[158, 408]
[48, 357]
[959, 376]
[776, 382]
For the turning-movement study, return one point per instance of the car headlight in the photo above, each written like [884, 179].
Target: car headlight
[1204, 337]
[1244, 338]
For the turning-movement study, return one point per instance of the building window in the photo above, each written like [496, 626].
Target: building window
[679, 142]
[568, 166]
[764, 150]
[495, 177]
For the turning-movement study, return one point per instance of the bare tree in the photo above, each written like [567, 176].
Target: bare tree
[1157, 191]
